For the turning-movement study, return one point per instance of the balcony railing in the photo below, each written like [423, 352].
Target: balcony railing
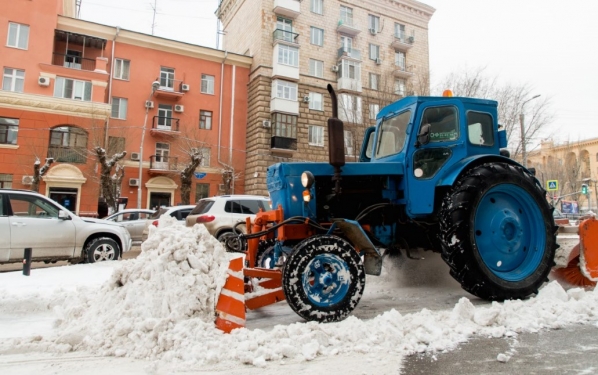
[349, 52]
[283, 143]
[285, 36]
[165, 124]
[347, 26]
[73, 61]
[402, 42]
[68, 154]
[403, 71]
[163, 163]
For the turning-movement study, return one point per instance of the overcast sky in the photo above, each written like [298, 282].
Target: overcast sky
[546, 44]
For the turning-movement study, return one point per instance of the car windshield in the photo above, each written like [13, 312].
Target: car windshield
[393, 132]
[202, 207]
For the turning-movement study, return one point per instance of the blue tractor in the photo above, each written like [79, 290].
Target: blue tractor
[431, 174]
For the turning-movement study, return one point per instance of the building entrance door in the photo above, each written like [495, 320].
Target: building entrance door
[158, 200]
[65, 196]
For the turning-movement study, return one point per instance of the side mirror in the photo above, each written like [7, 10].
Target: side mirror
[64, 215]
[423, 138]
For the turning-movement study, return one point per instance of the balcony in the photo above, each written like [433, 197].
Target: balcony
[402, 71]
[284, 106]
[285, 71]
[165, 126]
[348, 27]
[73, 61]
[348, 84]
[283, 144]
[78, 51]
[287, 8]
[171, 89]
[402, 42]
[64, 154]
[162, 164]
[349, 53]
[286, 37]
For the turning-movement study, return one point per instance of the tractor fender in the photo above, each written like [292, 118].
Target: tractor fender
[351, 229]
[453, 173]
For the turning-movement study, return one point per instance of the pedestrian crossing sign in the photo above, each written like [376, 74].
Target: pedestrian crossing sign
[552, 185]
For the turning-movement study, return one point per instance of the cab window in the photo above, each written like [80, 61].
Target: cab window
[393, 131]
[444, 124]
[479, 129]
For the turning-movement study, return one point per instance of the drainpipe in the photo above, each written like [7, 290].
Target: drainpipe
[220, 111]
[110, 87]
[232, 122]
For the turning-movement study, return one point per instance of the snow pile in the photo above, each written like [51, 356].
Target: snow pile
[176, 279]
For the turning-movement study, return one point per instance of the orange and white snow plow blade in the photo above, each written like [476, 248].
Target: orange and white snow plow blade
[582, 267]
[230, 309]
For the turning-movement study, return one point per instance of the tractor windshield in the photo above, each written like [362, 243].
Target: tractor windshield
[393, 131]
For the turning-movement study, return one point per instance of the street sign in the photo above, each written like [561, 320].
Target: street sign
[552, 185]
[200, 175]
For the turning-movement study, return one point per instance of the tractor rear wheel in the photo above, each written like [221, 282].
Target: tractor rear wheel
[323, 278]
[497, 231]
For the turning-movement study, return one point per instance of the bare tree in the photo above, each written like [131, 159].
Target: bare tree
[107, 186]
[39, 172]
[186, 174]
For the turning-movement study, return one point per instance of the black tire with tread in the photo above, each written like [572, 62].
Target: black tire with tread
[94, 244]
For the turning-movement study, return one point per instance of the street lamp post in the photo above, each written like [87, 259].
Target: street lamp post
[155, 86]
[522, 123]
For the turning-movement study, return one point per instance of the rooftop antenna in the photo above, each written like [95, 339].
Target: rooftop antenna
[154, 8]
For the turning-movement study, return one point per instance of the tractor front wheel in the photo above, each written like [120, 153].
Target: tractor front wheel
[323, 279]
[498, 233]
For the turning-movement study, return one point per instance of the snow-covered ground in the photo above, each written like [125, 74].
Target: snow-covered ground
[154, 314]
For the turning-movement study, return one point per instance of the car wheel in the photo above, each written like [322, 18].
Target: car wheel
[102, 249]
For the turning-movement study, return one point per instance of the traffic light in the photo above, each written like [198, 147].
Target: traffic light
[584, 189]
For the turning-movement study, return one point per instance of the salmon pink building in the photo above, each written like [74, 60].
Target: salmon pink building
[70, 86]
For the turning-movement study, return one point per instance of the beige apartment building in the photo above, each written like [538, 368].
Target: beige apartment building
[571, 164]
[372, 52]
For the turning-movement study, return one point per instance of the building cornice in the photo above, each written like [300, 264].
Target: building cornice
[152, 42]
[48, 104]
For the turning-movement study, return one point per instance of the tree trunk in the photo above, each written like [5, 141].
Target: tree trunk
[187, 176]
[39, 172]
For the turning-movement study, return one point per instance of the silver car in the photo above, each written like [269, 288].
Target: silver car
[220, 214]
[178, 212]
[133, 219]
[31, 220]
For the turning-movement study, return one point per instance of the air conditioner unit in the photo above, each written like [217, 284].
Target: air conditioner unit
[373, 31]
[411, 39]
[378, 61]
[266, 124]
[133, 182]
[135, 156]
[334, 68]
[27, 180]
[43, 81]
[179, 108]
[184, 87]
[221, 187]
[306, 98]
[149, 104]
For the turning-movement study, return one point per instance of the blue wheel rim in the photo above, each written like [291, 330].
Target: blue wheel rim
[326, 280]
[509, 232]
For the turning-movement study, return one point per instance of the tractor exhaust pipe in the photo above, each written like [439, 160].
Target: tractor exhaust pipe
[336, 141]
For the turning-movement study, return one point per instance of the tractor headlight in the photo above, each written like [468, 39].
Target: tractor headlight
[307, 179]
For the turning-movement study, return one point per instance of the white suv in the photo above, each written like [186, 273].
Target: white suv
[220, 214]
[31, 220]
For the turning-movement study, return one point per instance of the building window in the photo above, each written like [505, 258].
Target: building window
[346, 15]
[167, 78]
[349, 149]
[284, 125]
[72, 89]
[164, 116]
[316, 68]
[350, 69]
[201, 191]
[205, 120]
[315, 135]
[317, 36]
[162, 155]
[285, 26]
[374, 81]
[374, 109]
[374, 23]
[68, 144]
[346, 43]
[400, 60]
[400, 31]
[5, 180]
[315, 101]
[121, 69]
[119, 108]
[286, 90]
[207, 84]
[18, 35]
[288, 55]
[13, 80]
[349, 108]
[400, 87]
[374, 52]
[9, 128]
[205, 156]
[317, 6]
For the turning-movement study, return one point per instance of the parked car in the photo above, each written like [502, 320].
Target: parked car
[31, 220]
[179, 212]
[220, 214]
[133, 219]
